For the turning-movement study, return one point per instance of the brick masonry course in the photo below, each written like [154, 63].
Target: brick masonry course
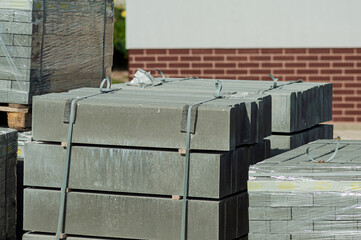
[340, 66]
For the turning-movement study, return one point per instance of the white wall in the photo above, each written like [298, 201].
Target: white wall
[243, 23]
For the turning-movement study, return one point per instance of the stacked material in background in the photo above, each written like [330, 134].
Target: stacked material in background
[283, 142]
[297, 111]
[292, 197]
[8, 149]
[126, 171]
[53, 46]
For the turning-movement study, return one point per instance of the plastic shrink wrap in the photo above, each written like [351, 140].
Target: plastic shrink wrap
[8, 149]
[53, 46]
[292, 197]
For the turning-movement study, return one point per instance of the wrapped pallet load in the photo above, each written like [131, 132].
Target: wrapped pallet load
[53, 46]
[8, 149]
[311, 192]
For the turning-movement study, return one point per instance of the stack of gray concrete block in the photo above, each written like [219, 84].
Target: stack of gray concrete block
[292, 197]
[23, 138]
[8, 149]
[283, 142]
[53, 46]
[298, 108]
[126, 164]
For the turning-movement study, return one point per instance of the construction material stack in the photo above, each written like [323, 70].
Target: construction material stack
[8, 149]
[298, 109]
[315, 196]
[49, 46]
[53, 46]
[128, 165]
[23, 138]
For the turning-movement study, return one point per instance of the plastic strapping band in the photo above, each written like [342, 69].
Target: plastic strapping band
[274, 80]
[42, 48]
[187, 78]
[278, 86]
[330, 158]
[64, 186]
[187, 160]
[161, 73]
[104, 32]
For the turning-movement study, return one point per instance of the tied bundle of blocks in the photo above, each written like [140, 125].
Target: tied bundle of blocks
[298, 108]
[129, 161]
[301, 196]
[8, 149]
[52, 46]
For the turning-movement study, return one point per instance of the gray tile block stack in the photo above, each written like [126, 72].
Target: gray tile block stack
[297, 107]
[23, 138]
[281, 143]
[8, 149]
[126, 165]
[292, 197]
[53, 46]
[32, 236]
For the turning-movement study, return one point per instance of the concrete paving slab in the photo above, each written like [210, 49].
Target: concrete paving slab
[37, 236]
[158, 120]
[311, 105]
[281, 143]
[121, 216]
[140, 171]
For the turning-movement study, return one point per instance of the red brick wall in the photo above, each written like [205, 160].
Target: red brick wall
[342, 67]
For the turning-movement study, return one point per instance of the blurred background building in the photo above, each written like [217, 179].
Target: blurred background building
[239, 39]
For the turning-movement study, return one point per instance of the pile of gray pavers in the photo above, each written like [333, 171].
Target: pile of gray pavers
[297, 110]
[8, 150]
[23, 138]
[294, 197]
[298, 107]
[127, 165]
[53, 46]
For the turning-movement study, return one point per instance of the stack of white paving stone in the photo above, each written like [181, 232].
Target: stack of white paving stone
[8, 149]
[294, 197]
[53, 46]
[127, 168]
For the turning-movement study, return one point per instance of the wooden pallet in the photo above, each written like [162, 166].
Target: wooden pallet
[18, 116]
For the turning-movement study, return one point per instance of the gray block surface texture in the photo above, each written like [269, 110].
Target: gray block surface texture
[292, 196]
[39, 236]
[8, 149]
[136, 217]
[212, 175]
[281, 142]
[139, 118]
[296, 106]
